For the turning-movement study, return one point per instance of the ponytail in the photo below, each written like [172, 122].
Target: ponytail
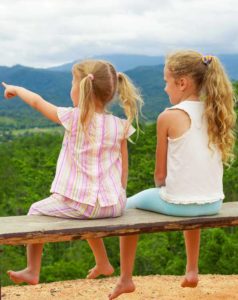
[130, 98]
[219, 108]
[86, 101]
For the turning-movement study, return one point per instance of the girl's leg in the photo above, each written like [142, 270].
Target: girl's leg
[150, 200]
[103, 266]
[128, 244]
[144, 200]
[127, 255]
[192, 243]
[31, 273]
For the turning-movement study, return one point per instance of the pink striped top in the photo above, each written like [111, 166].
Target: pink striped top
[91, 169]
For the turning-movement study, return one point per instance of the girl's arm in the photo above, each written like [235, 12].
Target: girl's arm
[34, 100]
[161, 150]
[124, 155]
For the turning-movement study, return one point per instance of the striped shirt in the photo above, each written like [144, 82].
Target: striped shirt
[90, 169]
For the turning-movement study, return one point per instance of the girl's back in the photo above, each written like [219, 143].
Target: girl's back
[89, 167]
[194, 171]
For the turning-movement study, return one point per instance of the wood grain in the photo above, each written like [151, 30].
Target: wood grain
[20, 230]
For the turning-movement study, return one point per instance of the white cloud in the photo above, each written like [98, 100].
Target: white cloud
[50, 32]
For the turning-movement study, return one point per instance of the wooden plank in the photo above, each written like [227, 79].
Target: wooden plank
[40, 229]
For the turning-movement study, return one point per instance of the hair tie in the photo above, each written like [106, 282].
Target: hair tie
[90, 75]
[118, 74]
[207, 59]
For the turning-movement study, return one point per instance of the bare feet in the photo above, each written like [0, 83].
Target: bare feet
[106, 270]
[190, 279]
[123, 286]
[23, 276]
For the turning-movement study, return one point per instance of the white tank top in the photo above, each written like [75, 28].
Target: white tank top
[194, 172]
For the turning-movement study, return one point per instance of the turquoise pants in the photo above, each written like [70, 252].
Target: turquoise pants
[150, 200]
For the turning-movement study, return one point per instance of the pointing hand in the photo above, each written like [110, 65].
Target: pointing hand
[10, 90]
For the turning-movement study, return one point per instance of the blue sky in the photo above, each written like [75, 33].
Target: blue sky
[52, 32]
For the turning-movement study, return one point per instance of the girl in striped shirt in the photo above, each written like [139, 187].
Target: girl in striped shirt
[92, 168]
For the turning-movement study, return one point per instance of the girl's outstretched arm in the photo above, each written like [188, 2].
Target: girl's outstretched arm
[34, 100]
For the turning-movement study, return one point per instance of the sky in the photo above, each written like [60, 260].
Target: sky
[53, 32]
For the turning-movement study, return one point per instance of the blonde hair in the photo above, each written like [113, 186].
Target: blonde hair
[98, 80]
[214, 86]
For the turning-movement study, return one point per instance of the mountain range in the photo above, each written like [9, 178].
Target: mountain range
[54, 85]
[125, 62]
[122, 62]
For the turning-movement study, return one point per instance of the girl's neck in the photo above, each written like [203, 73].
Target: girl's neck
[99, 109]
[190, 97]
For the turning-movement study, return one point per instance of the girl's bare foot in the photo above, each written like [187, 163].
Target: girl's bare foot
[123, 286]
[23, 276]
[98, 270]
[190, 279]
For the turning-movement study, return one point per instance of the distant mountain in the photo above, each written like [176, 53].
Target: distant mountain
[125, 62]
[150, 79]
[52, 85]
[230, 62]
[55, 87]
[122, 62]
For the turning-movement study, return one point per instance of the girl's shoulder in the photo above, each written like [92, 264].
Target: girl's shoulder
[169, 115]
[66, 116]
[185, 109]
[174, 119]
[66, 110]
[124, 126]
[117, 119]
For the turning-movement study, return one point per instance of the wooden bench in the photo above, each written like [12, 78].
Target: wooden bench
[21, 230]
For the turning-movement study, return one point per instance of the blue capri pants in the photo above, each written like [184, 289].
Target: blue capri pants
[150, 200]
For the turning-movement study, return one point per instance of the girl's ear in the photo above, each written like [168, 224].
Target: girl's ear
[183, 83]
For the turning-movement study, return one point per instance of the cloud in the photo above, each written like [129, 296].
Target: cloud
[45, 33]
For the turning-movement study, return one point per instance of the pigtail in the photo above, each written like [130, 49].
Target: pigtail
[86, 102]
[219, 107]
[130, 98]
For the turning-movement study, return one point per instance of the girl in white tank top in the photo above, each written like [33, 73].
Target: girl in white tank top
[195, 137]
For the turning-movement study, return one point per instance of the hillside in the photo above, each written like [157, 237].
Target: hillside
[55, 87]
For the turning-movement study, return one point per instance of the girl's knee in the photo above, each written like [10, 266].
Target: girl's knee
[131, 203]
[33, 210]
